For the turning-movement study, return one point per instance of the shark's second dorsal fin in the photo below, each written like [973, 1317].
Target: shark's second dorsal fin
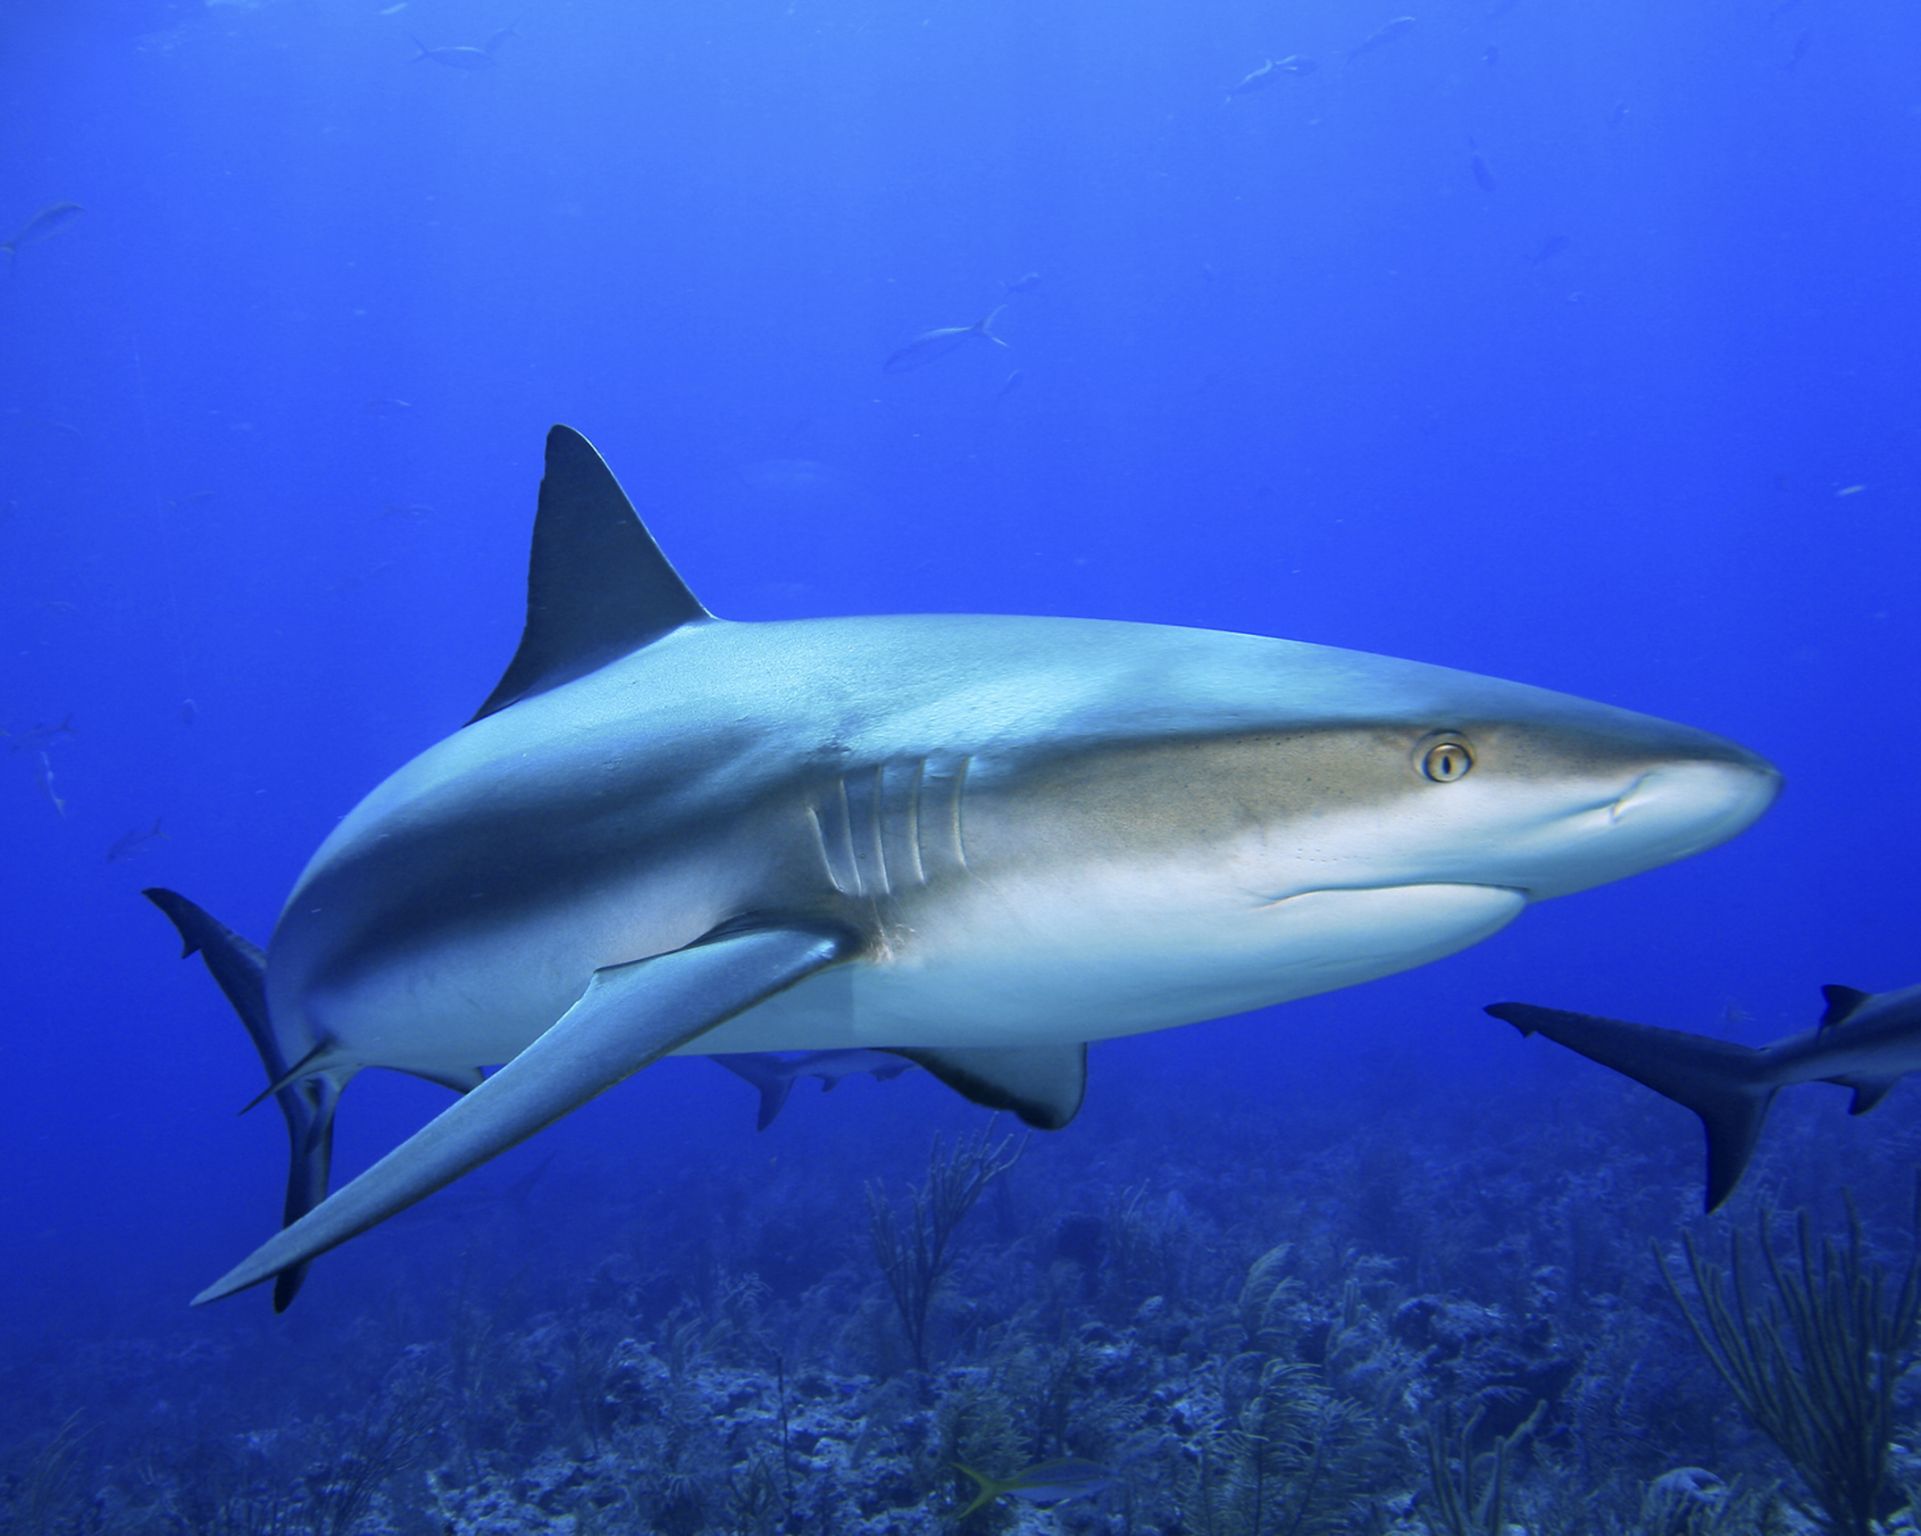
[1842, 1003]
[598, 586]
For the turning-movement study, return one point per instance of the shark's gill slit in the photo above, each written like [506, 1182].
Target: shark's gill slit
[912, 809]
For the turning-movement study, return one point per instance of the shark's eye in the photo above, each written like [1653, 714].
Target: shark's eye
[1446, 760]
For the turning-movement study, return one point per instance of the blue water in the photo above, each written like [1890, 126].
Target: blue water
[1637, 421]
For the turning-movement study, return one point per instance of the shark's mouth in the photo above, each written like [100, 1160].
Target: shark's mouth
[1343, 934]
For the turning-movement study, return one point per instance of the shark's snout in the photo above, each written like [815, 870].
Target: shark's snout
[1692, 805]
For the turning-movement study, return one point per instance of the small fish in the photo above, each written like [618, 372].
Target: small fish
[1046, 1482]
[1490, 55]
[1617, 114]
[1253, 80]
[1296, 64]
[1483, 177]
[46, 783]
[1385, 34]
[1027, 282]
[190, 502]
[395, 9]
[388, 407]
[1009, 384]
[456, 55]
[189, 711]
[130, 845]
[501, 34]
[932, 345]
[413, 511]
[48, 221]
[1850, 490]
[37, 738]
[1549, 248]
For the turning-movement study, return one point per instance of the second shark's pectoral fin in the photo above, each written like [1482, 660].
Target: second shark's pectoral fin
[630, 1015]
[1043, 1084]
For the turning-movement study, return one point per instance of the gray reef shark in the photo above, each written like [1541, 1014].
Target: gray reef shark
[1866, 1041]
[979, 842]
[774, 1075]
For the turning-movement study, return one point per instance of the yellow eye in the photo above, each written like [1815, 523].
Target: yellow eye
[1446, 761]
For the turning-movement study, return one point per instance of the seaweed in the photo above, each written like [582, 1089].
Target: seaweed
[1815, 1362]
[915, 1258]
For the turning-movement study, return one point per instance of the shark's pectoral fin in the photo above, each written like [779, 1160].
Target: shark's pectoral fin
[1043, 1084]
[630, 1015]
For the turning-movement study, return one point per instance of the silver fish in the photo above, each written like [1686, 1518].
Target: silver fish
[47, 222]
[930, 346]
[129, 845]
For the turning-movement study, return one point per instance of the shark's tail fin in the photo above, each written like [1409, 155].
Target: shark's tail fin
[763, 1071]
[985, 325]
[309, 1103]
[1719, 1081]
[421, 50]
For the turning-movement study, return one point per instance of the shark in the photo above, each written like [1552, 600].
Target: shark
[1865, 1041]
[774, 1076]
[977, 841]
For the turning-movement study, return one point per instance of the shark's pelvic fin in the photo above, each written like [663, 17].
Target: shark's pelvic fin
[1843, 1003]
[1721, 1082]
[1043, 1084]
[307, 1099]
[598, 586]
[1868, 1091]
[630, 1015]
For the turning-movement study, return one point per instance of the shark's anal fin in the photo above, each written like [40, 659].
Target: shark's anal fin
[1721, 1082]
[597, 584]
[308, 1099]
[1043, 1084]
[1842, 1003]
[629, 1015]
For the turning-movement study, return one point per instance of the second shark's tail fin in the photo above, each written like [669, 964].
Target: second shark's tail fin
[308, 1103]
[1719, 1081]
[764, 1072]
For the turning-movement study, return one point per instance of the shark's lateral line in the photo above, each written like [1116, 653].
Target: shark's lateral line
[1866, 1041]
[977, 842]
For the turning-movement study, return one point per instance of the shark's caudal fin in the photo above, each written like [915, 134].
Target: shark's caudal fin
[308, 1101]
[598, 586]
[1719, 1081]
[764, 1072]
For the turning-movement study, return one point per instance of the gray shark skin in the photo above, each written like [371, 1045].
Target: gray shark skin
[1866, 1041]
[979, 842]
[774, 1076]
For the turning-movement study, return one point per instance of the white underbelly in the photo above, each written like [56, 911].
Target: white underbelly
[1119, 979]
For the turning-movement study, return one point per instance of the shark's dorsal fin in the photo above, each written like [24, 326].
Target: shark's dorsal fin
[598, 586]
[1842, 1004]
